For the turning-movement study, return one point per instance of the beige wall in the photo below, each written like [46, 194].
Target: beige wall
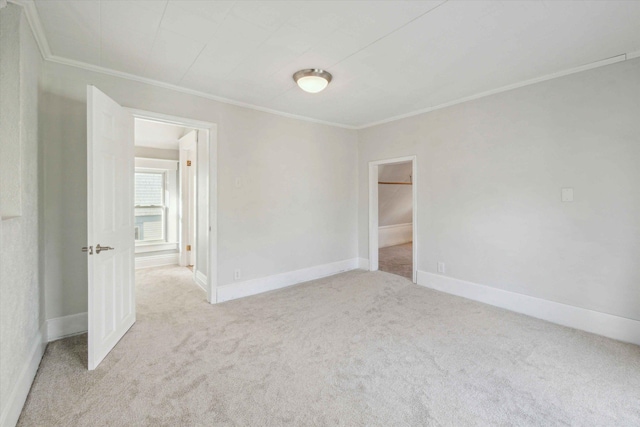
[295, 208]
[156, 153]
[20, 290]
[490, 173]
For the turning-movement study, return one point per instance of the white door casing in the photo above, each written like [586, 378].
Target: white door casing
[110, 221]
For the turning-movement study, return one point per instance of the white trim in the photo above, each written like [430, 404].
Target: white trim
[36, 27]
[20, 390]
[67, 326]
[264, 284]
[157, 260]
[396, 234]
[201, 280]
[608, 325]
[574, 70]
[373, 209]
[363, 263]
[143, 248]
[33, 18]
[212, 131]
[633, 55]
[162, 164]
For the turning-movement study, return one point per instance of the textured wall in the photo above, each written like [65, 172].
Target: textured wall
[296, 206]
[20, 292]
[490, 174]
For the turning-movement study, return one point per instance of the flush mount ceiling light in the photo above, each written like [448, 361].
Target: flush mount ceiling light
[312, 80]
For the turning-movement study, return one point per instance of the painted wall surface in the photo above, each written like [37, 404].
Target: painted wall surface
[20, 290]
[490, 174]
[296, 205]
[394, 201]
[202, 207]
[156, 153]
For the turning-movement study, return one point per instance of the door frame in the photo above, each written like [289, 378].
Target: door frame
[373, 210]
[212, 130]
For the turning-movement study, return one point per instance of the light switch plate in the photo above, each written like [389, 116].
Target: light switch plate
[567, 194]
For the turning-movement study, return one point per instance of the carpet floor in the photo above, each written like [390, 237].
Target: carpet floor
[359, 348]
[397, 259]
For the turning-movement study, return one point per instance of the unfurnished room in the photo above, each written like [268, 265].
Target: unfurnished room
[319, 213]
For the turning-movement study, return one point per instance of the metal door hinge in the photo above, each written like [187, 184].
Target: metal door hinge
[188, 162]
[188, 247]
[88, 249]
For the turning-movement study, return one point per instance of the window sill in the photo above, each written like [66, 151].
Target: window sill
[155, 246]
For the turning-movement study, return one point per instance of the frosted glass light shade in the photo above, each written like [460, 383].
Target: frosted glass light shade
[312, 80]
[312, 84]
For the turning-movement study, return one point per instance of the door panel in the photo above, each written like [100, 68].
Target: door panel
[110, 168]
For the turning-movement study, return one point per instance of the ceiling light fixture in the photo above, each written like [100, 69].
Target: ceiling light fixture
[312, 80]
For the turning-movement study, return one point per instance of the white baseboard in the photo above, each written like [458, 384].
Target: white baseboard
[608, 325]
[363, 263]
[391, 235]
[264, 284]
[66, 326]
[201, 280]
[157, 260]
[18, 394]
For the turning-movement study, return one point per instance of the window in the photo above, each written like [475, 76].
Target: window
[150, 207]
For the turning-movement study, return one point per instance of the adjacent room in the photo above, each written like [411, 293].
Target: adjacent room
[313, 213]
[395, 219]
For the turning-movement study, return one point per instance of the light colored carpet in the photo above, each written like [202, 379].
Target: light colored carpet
[397, 259]
[359, 348]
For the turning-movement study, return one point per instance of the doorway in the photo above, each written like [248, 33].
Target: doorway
[190, 232]
[111, 223]
[160, 200]
[392, 216]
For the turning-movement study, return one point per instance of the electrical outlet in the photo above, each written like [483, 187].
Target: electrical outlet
[236, 274]
[441, 268]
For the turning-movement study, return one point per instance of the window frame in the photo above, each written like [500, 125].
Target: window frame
[164, 207]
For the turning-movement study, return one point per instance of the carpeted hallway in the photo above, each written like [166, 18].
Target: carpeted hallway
[359, 348]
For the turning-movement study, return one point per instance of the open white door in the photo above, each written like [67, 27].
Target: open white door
[110, 169]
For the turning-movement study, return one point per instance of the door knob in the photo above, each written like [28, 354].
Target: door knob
[88, 249]
[103, 248]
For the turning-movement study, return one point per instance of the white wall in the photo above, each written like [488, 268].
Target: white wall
[156, 153]
[490, 172]
[202, 207]
[20, 290]
[295, 208]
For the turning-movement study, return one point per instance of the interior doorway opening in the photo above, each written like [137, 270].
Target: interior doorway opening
[392, 216]
[173, 192]
[395, 220]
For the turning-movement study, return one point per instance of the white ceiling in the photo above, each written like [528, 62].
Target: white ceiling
[388, 58]
[158, 135]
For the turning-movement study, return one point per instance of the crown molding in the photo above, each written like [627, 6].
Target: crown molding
[601, 63]
[36, 26]
[157, 83]
[33, 18]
